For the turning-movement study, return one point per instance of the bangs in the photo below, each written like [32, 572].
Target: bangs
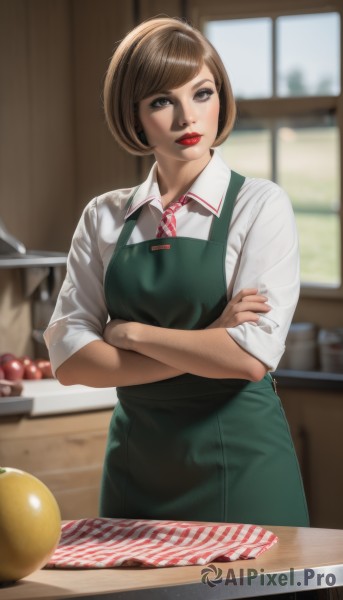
[159, 55]
[168, 65]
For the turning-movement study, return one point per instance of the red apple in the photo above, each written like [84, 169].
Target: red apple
[2, 373]
[7, 356]
[13, 370]
[45, 366]
[32, 372]
[25, 360]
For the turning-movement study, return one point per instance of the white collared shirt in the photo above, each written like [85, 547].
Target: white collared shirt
[262, 252]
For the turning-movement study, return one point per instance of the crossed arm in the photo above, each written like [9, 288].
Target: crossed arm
[134, 353]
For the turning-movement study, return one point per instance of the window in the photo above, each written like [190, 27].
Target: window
[285, 73]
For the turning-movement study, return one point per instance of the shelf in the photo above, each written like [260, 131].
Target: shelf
[319, 380]
[33, 258]
[15, 406]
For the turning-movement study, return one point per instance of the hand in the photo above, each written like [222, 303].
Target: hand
[10, 388]
[242, 308]
[119, 333]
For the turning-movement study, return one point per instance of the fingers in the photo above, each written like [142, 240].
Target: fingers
[245, 306]
[250, 294]
[245, 300]
[252, 306]
[243, 293]
[245, 311]
[243, 317]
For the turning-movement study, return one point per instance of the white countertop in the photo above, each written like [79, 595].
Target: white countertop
[51, 397]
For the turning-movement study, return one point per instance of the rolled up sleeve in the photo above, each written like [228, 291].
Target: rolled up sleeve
[269, 262]
[80, 313]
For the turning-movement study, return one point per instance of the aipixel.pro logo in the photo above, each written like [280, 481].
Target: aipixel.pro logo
[213, 575]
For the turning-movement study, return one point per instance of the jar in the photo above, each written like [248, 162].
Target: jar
[301, 347]
[330, 343]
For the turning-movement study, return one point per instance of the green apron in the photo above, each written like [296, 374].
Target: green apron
[193, 448]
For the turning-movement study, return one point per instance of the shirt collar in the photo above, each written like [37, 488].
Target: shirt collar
[208, 189]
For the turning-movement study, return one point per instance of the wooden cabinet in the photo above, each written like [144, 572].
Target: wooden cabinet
[316, 422]
[66, 452]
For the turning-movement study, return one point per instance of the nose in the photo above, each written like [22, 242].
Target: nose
[185, 114]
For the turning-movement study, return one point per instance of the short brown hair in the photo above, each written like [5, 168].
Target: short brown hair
[161, 53]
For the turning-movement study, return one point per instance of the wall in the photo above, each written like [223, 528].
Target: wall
[37, 146]
[37, 183]
[55, 151]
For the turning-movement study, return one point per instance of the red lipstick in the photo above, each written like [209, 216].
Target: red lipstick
[189, 139]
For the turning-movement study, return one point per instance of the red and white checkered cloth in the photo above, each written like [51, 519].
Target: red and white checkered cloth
[105, 543]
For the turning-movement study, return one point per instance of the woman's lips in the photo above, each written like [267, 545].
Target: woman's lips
[189, 140]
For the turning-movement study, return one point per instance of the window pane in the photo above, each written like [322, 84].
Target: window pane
[319, 248]
[247, 150]
[308, 50]
[308, 168]
[245, 48]
[308, 162]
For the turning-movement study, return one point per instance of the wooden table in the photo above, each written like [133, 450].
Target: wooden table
[303, 559]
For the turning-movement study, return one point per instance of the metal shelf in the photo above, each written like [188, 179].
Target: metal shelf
[33, 258]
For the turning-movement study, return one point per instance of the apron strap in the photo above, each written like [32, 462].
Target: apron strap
[220, 225]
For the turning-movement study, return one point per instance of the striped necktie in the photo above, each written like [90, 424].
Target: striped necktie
[167, 226]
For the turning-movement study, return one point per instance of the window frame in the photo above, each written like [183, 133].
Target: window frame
[201, 11]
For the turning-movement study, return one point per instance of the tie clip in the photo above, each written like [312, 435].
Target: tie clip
[160, 247]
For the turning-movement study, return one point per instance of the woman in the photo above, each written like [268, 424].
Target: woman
[184, 266]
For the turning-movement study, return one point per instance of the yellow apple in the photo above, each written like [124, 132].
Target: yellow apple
[30, 524]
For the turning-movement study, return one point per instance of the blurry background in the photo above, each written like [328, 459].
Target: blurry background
[284, 59]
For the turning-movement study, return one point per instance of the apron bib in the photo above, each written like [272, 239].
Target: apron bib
[193, 448]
